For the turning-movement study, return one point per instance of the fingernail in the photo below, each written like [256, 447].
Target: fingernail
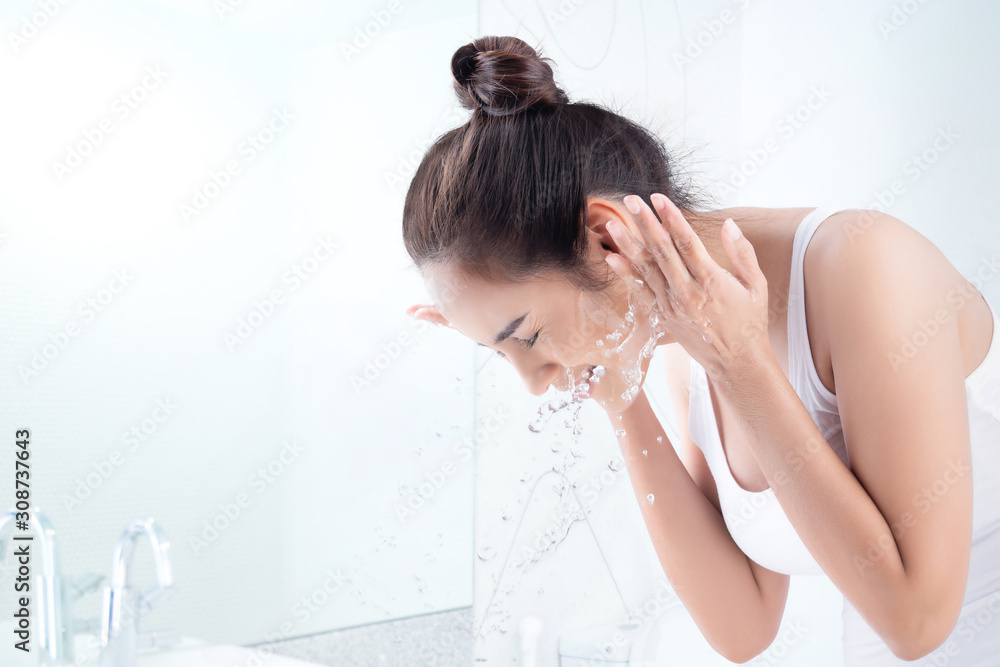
[614, 229]
[732, 230]
[632, 203]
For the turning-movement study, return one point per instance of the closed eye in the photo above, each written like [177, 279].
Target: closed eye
[531, 341]
[524, 343]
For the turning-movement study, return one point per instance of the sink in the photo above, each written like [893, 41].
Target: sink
[189, 652]
[216, 656]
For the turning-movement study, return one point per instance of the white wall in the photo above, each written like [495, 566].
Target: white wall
[325, 175]
[889, 93]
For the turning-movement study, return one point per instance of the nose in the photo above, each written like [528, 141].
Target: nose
[537, 375]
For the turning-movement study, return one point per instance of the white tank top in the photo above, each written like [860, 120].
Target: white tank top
[760, 527]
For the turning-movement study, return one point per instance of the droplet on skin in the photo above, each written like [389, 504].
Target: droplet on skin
[659, 438]
[650, 498]
[644, 452]
[620, 432]
[707, 337]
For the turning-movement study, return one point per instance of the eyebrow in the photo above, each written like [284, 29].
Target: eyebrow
[508, 330]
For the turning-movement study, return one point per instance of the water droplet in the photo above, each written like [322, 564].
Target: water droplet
[557, 447]
[650, 498]
[707, 337]
[644, 452]
[614, 465]
[705, 322]
[525, 476]
[620, 432]
[541, 590]
[486, 553]
[600, 343]
[659, 438]
[619, 416]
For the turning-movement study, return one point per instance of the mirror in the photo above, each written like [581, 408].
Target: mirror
[202, 296]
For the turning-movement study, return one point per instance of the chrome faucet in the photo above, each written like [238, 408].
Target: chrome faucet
[54, 594]
[122, 606]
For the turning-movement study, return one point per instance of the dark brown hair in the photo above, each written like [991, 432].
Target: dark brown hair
[503, 196]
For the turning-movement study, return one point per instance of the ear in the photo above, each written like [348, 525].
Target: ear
[429, 313]
[600, 211]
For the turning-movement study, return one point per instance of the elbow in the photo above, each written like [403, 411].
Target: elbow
[745, 647]
[921, 633]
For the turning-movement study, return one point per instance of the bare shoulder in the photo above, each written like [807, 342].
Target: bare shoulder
[854, 237]
[850, 252]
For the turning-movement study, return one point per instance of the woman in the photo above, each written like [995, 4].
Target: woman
[863, 446]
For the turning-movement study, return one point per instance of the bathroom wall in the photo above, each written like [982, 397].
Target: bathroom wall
[884, 104]
[202, 295]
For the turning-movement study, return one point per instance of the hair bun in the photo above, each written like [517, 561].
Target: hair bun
[504, 76]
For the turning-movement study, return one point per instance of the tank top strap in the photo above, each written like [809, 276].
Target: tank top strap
[801, 369]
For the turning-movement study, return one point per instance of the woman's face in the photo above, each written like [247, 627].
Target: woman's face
[552, 332]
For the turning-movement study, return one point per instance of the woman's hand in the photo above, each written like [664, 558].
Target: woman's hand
[719, 318]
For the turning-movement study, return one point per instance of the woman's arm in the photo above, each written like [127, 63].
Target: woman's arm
[893, 532]
[736, 603]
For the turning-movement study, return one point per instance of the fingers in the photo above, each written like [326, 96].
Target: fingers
[640, 258]
[654, 296]
[744, 258]
[689, 245]
[659, 246]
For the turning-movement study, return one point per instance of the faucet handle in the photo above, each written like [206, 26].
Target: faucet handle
[152, 596]
[86, 583]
